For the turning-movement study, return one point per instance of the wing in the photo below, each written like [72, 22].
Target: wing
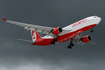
[78, 40]
[40, 29]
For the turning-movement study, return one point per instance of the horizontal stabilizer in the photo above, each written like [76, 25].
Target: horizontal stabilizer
[26, 40]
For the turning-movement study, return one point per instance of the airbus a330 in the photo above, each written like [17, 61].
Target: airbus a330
[71, 32]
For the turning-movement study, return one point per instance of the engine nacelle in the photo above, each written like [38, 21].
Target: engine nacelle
[86, 38]
[57, 30]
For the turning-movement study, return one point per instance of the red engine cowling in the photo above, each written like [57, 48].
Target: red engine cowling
[86, 38]
[57, 30]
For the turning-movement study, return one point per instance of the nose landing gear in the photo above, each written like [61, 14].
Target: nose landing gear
[91, 30]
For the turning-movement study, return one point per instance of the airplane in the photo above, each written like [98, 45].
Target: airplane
[71, 32]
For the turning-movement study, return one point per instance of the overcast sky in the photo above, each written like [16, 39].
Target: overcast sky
[17, 55]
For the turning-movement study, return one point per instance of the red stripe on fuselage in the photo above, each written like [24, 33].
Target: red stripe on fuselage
[63, 38]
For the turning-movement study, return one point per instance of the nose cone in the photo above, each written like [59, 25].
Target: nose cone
[98, 20]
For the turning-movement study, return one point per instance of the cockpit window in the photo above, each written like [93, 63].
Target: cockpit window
[95, 17]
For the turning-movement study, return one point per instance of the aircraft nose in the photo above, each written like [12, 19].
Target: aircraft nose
[98, 20]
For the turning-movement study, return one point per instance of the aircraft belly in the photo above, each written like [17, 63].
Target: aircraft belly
[44, 42]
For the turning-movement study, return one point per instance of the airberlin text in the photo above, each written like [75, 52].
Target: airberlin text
[79, 22]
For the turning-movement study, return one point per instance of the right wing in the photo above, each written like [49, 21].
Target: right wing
[40, 29]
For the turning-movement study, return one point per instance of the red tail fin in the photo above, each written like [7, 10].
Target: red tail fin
[35, 36]
[4, 19]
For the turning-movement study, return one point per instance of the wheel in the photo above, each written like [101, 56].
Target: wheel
[52, 42]
[55, 40]
[68, 46]
[91, 30]
[72, 44]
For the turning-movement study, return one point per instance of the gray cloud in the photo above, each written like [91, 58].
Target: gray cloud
[16, 55]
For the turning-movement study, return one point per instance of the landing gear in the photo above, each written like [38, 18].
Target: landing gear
[54, 40]
[70, 45]
[91, 30]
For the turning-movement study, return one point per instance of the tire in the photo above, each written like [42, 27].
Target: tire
[72, 44]
[68, 46]
[52, 42]
[91, 31]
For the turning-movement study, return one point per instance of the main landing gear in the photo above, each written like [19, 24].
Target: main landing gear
[54, 40]
[70, 45]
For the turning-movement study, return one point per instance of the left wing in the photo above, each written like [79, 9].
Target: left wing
[40, 29]
[78, 40]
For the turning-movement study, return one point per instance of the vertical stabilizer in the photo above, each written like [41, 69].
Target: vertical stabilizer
[35, 36]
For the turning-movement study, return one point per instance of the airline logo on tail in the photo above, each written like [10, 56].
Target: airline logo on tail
[33, 36]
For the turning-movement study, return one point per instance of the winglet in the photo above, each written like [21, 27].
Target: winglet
[4, 19]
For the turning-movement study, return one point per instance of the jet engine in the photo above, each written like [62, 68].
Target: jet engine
[57, 30]
[86, 38]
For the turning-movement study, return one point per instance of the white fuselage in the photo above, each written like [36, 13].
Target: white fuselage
[87, 21]
[80, 24]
